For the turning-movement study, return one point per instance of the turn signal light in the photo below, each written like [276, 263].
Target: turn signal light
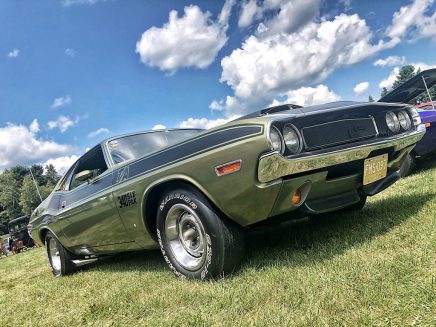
[427, 125]
[228, 168]
[296, 197]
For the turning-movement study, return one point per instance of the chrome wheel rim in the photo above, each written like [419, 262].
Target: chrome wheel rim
[186, 237]
[53, 253]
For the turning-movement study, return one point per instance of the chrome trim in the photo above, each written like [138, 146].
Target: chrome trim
[270, 126]
[299, 136]
[375, 125]
[273, 166]
[228, 164]
[79, 263]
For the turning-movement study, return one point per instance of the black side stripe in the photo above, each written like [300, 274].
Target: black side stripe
[189, 149]
[157, 160]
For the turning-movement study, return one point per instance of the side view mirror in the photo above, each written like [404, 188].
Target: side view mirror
[84, 175]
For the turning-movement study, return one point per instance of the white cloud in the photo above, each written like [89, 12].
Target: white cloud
[278, 16]
[63, 123]
[63, 163]
[360, 88]
[70, 52]
[248, 11]
[412, 20]
[14, 53]
[308, 96]
[20, 145]
[69, 3]
[34, 126]
[292, 15]
[158, 126]
[205, 123]
[98, 132]
[192, 40]
[61, 101]
[266, 66]
[390, 61]
[389, 81]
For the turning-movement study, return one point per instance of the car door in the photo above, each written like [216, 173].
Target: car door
[87, 206]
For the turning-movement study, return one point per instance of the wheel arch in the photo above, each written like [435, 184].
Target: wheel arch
[151, 197]
[43, 233]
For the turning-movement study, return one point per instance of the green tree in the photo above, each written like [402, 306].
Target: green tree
[51, 175]
[10, 194]
[29, 198]
[407, 72]
[370, 99]
[38, 174]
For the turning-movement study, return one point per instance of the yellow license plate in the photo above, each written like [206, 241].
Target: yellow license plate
[375, 168]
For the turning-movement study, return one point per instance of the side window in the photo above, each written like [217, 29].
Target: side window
[67, 179]
[92, 161]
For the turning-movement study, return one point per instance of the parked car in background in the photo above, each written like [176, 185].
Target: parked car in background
[427, 145]
[20, 238]
[192, 192]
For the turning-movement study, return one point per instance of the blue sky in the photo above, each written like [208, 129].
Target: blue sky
[73, 72]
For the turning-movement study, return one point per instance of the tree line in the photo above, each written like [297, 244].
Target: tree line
[18, 193]
[407, 72]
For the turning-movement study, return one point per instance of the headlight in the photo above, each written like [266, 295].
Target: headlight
[392, 122]
[292, 139]
[415, 116]
[405, 121]
[275, 139]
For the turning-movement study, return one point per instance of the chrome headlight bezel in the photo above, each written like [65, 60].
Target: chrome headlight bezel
[416, 118]
[392, 122]
[291, 130]
[405, 121]
[275, 140]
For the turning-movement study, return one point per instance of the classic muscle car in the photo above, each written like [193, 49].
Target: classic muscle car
[192, 192]
[427, 111]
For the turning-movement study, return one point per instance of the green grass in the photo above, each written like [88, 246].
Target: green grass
[376, 267]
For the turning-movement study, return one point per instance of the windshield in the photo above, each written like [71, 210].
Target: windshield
[139, 145]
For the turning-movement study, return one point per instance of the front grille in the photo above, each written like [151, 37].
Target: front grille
[338, 132]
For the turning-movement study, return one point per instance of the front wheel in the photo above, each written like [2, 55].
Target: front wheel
[195, 240]
[408, 165]
[59, 258]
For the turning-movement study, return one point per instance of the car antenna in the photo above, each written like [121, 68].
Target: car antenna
[36, 185]
[428, 92]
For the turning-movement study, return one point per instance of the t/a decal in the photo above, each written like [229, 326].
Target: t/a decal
[123, 174]
[127, 199]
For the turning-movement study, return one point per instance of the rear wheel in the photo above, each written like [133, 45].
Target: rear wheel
[59, 258]
[195, 240]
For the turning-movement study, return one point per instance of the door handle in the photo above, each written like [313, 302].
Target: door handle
[63, 204]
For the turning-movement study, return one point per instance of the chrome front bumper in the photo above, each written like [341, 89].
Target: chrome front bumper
[273, 165]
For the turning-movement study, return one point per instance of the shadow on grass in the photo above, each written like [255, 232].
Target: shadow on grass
[328, 235]
[317, 240]
[426, 162]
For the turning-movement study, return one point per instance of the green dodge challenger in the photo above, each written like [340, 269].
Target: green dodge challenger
[193, 192]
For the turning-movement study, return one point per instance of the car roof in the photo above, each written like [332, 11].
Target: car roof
[17, 220]
[147, 132]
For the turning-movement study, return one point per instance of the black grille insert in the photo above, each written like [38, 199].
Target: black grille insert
[338, 132]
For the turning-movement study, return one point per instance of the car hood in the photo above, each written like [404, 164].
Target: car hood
[411, 88]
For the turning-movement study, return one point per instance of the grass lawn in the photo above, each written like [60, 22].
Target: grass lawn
[375, 267]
